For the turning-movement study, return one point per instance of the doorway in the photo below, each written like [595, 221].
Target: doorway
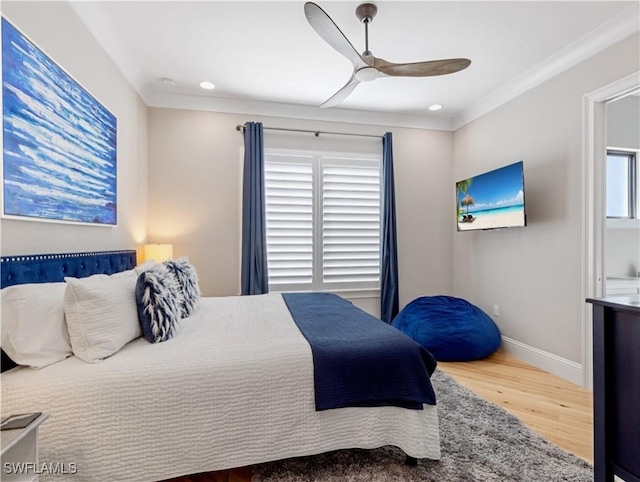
[594, 175]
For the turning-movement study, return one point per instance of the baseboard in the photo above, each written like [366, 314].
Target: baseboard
[561, 367]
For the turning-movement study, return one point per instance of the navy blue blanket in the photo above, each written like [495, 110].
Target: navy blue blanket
[358, 360]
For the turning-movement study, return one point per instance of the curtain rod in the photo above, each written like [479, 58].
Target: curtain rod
[240, 127]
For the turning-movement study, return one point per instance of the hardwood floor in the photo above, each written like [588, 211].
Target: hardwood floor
[556, 409]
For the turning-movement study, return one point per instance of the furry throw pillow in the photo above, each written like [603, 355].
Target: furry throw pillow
[159, 300]
[187, 278]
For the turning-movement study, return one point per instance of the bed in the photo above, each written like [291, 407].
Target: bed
[234, 388]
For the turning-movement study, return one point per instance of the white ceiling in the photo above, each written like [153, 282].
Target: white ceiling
[263, 56]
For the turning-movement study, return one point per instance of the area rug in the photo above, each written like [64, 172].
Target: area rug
[480, 442]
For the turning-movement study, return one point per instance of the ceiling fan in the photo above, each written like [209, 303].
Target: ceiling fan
[366, 67]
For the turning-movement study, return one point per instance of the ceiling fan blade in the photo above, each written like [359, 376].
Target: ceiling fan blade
[329, 31]
[342, 94]
[422, 69]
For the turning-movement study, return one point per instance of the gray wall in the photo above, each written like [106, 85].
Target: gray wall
[622, 242]
[56, 30]
[622, 251]
[195, 193]
[623, 123]
[535, 273]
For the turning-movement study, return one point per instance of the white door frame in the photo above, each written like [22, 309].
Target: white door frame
[594, 137]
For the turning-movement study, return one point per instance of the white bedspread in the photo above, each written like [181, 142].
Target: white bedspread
[234, 388]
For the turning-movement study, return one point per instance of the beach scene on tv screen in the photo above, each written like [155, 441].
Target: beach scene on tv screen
[491, 200]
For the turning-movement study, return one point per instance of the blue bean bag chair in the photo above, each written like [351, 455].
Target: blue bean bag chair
[452, 329]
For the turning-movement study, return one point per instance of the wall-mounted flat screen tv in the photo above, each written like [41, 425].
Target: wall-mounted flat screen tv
[492, 200]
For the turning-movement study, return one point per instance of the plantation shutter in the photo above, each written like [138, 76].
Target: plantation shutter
[289, 219]
[350, 221]
[322, 221]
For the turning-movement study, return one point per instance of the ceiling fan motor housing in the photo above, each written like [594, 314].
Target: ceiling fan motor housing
[366, 12]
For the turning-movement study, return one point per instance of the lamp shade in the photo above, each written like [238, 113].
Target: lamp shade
[158, 252]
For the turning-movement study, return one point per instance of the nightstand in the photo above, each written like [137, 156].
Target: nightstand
[20, 452]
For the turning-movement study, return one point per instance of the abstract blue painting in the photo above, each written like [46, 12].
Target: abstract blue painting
[59, 142]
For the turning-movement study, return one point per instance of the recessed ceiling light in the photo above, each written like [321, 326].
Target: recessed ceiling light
[435, 107]
[207, 85]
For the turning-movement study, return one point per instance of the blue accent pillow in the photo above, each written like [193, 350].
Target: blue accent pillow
[187, 279]
[452, 329]
[159, 301]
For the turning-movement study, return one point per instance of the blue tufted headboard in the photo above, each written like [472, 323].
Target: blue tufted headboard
[50, 268]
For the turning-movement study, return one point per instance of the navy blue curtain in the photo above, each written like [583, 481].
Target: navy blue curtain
[254, 277]
[389, 250]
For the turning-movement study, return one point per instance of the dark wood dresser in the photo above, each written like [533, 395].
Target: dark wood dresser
[616, 387]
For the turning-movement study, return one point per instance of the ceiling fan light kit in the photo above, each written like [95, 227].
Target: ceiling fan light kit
[366, 67]
[367, 74]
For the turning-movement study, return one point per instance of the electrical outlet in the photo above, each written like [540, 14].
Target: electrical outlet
[496, 310]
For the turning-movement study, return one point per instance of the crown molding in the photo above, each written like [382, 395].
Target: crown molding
[615, 30]
[608, 34]
[295, 111]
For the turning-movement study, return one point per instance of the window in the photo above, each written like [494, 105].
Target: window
[323, 222]
[622, 187]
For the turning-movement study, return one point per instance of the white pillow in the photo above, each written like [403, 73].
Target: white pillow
[141, 268]
[101, 313]
[34, 332]
[122, 274]
[136, 270]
